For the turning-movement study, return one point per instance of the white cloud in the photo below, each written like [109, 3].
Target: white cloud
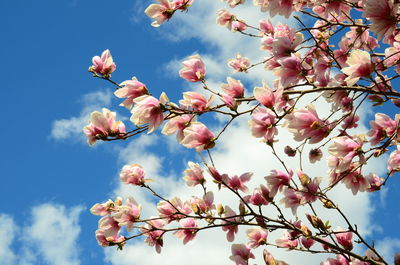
[8, 233]
[53, 234]
[71, 128]
[388, 247]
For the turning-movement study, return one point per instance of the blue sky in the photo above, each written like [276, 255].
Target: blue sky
[51, 177]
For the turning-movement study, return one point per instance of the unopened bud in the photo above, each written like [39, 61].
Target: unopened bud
[289, 151]
[327, 203]
[220, 209]
[118, 201]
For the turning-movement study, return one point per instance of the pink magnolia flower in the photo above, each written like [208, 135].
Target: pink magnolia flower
[238, 25]
[132, 174]
[305, 123]
[187, 234]
[160, 12]
[103, 209]
[128, 214]
[195, 101]
[383, 126]
[237, 183]
[102, 125]
[203, 205]
[286, 45]
[154, 234]
[315, 155]
[262, 124]
[233, 88]
[375, 182]
[340, 260]
[130, 90]
[193, 69]
[382, 14]
[350, 122]
[277, 180]
[345, 239]
[346, 148]
[266, 26]
[286, 241]
[239, 64]
[230, 223]
[292, 199]
[260, 196]
[291, 70]
[394, 161]
[241, 254]
[359, 65]
[194, 175]
[103, 65]
[257, 237]
[109, 240]
[173, 210]
[307, 243]
[198, 136]
[224, 18]
[178, 124]
[233, 3]
[149, 110]
[267, 97]
[109, 227]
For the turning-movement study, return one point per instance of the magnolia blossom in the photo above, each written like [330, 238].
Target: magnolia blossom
[292, 199]
[382, 127]
[233, 3]
[257, 237]
[130, 90]
[204, 205]
[286, 241]
[382, 14]
[260, 196]
[346, 148]
[173, 209]
[224, 18]
[102, 125]
[195, 101]
[305, 123]
[241, 254]
[394, 161]
[103, 65]
[149, 110]
[237, 183]
[198, 136]
[231, 229]
[233, 88]
[187, 234]
[128, 214]
[238, 25]
[160, 12]
[269, 98]
[345, 239]
[262, 124]
[154, 236]
[103, 209]
[291, 70]
[277, 180]
[194, 69]
[239, 64]
[132, 174]
[178, 124]
[194, 175]
[359, 65]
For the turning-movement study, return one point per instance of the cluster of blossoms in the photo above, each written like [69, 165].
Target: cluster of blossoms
[343, 75]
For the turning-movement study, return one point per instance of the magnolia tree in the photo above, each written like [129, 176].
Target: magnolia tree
[344, 52]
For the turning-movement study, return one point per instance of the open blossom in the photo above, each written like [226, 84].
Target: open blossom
[128, 214]
[292, 199]
[239, 64]
[382, 14]
[173, 209]
[238, 25]
[103, 65]
[194, 69]
[345, 239]
[394, 161]
[194, 174]
[132, 174]
[277, 180]
[224, 18]
[260, 196]
[233, 88]
[345, 148]
[195, 101]
[241, 254]
[262, 124]
[198, 136]
[267, 97]
[103, 209]
[203, 205]
[237, 183]
[103, 125]
[305, 123]
[130, 90]
[382, 127]
[109, 240]
[233, 3]
[257, 237]
[154, 236]
[178, 124]
[231, 229]
[160, 12]
[286, 241]
[340, 260]
[187, 234]
[291, 70]
[108, 230]
[149, 110]
[359, 65]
